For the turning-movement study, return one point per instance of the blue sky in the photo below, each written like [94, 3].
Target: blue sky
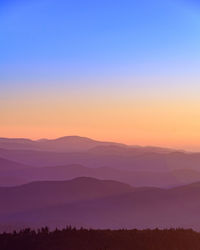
[44, 40]
[122, 70]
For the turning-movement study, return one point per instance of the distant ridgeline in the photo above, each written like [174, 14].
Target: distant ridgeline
[83, 239]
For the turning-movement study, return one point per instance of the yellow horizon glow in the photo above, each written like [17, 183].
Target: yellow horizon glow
[136, 116]
[172, 125]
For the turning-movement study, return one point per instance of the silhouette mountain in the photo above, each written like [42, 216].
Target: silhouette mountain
[11, 165]
[99, 204]
[10, 172]
[123, 158]
[62, 144]
[133, 165]
[73, 144]
[134, 178]
[40, 194]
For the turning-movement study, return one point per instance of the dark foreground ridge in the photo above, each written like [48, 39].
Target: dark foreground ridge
[82, 239]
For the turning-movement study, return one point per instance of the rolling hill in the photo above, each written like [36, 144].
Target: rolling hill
[134, 178]
[100, 204]
[41, 194]
[62, 144]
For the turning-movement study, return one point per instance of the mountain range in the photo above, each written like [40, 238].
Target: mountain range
[24, 160]
[20, 174]
[107, 155]
[62, 144]
[83, 182]
[97, 203]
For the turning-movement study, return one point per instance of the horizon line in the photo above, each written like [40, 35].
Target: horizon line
[104, 141]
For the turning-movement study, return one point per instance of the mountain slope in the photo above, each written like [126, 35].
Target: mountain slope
[6, 164]
[125, 159]
[40, 194]
[100, 204]
[142, 208]
[134, 178]
[62, 144]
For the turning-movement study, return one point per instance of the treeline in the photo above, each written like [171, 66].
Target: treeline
[83, 239]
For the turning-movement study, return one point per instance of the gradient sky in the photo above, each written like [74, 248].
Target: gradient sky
[120, 70]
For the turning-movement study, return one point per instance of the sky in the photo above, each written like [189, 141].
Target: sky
[122, 70]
